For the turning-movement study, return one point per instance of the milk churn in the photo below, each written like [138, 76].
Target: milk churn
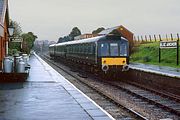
[25, 59]
[17, 60]
[7, 65]
[21, 67]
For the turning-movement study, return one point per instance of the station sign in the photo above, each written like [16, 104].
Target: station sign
[168, 44]
[16, 39]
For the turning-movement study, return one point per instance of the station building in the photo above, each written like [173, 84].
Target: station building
[4, 23]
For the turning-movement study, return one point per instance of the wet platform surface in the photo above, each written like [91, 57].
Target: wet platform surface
[46, 96]
[167, 71]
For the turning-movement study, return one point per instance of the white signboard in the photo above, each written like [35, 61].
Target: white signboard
[168, 44]
[17, 39]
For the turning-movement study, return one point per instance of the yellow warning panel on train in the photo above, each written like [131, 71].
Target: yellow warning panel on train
[113, 61]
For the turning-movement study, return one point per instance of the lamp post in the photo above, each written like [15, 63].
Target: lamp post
[11, 33]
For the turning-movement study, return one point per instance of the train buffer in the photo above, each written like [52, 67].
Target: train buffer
[46, 95]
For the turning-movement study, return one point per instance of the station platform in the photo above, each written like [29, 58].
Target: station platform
[46, 95]
[162, 70]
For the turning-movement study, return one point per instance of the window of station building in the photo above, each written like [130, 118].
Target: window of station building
[104, 49]
[114, 49]
[123, 49]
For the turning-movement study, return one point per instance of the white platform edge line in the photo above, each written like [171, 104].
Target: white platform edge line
[78, 89]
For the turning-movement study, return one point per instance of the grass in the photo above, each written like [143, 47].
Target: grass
[149, 54]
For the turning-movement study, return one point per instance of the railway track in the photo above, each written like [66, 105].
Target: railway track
[160, 100]
[136, 103]
[148, 98]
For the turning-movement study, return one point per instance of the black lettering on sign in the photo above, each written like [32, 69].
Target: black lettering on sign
[168, 44]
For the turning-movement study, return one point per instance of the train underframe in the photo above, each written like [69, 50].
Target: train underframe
[96, 69]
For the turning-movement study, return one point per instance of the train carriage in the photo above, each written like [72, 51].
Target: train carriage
[52, 50]
[106, 53]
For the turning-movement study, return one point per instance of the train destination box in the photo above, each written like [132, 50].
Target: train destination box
[168, 44]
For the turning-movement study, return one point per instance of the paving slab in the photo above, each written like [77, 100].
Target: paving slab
[46, 95]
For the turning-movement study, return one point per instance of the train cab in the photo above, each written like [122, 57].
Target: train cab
[113, 53]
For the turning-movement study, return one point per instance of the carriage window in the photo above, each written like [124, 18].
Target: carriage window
[78, 49]
[114, 49]
[123, 49]
[104, 49]
[81, 48]
[89, 49]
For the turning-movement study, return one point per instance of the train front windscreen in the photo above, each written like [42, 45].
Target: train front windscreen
[113, 49]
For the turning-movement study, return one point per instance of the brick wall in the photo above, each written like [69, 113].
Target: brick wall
[3, 40]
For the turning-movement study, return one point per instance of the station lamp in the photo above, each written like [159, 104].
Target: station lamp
[11, 30]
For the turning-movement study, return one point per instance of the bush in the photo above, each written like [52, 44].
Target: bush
[12, 52]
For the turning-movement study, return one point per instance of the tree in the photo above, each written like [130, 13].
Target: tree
[32, 34]
[28, 41]
[98, 30]
[64, 39]
[60, 40]
[75, 32]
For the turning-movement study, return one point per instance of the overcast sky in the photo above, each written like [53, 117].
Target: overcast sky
[50, 19]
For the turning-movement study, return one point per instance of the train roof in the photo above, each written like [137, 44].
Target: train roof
[88, 40]
[52, 45]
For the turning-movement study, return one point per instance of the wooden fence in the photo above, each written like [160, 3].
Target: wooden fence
[154, 38]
